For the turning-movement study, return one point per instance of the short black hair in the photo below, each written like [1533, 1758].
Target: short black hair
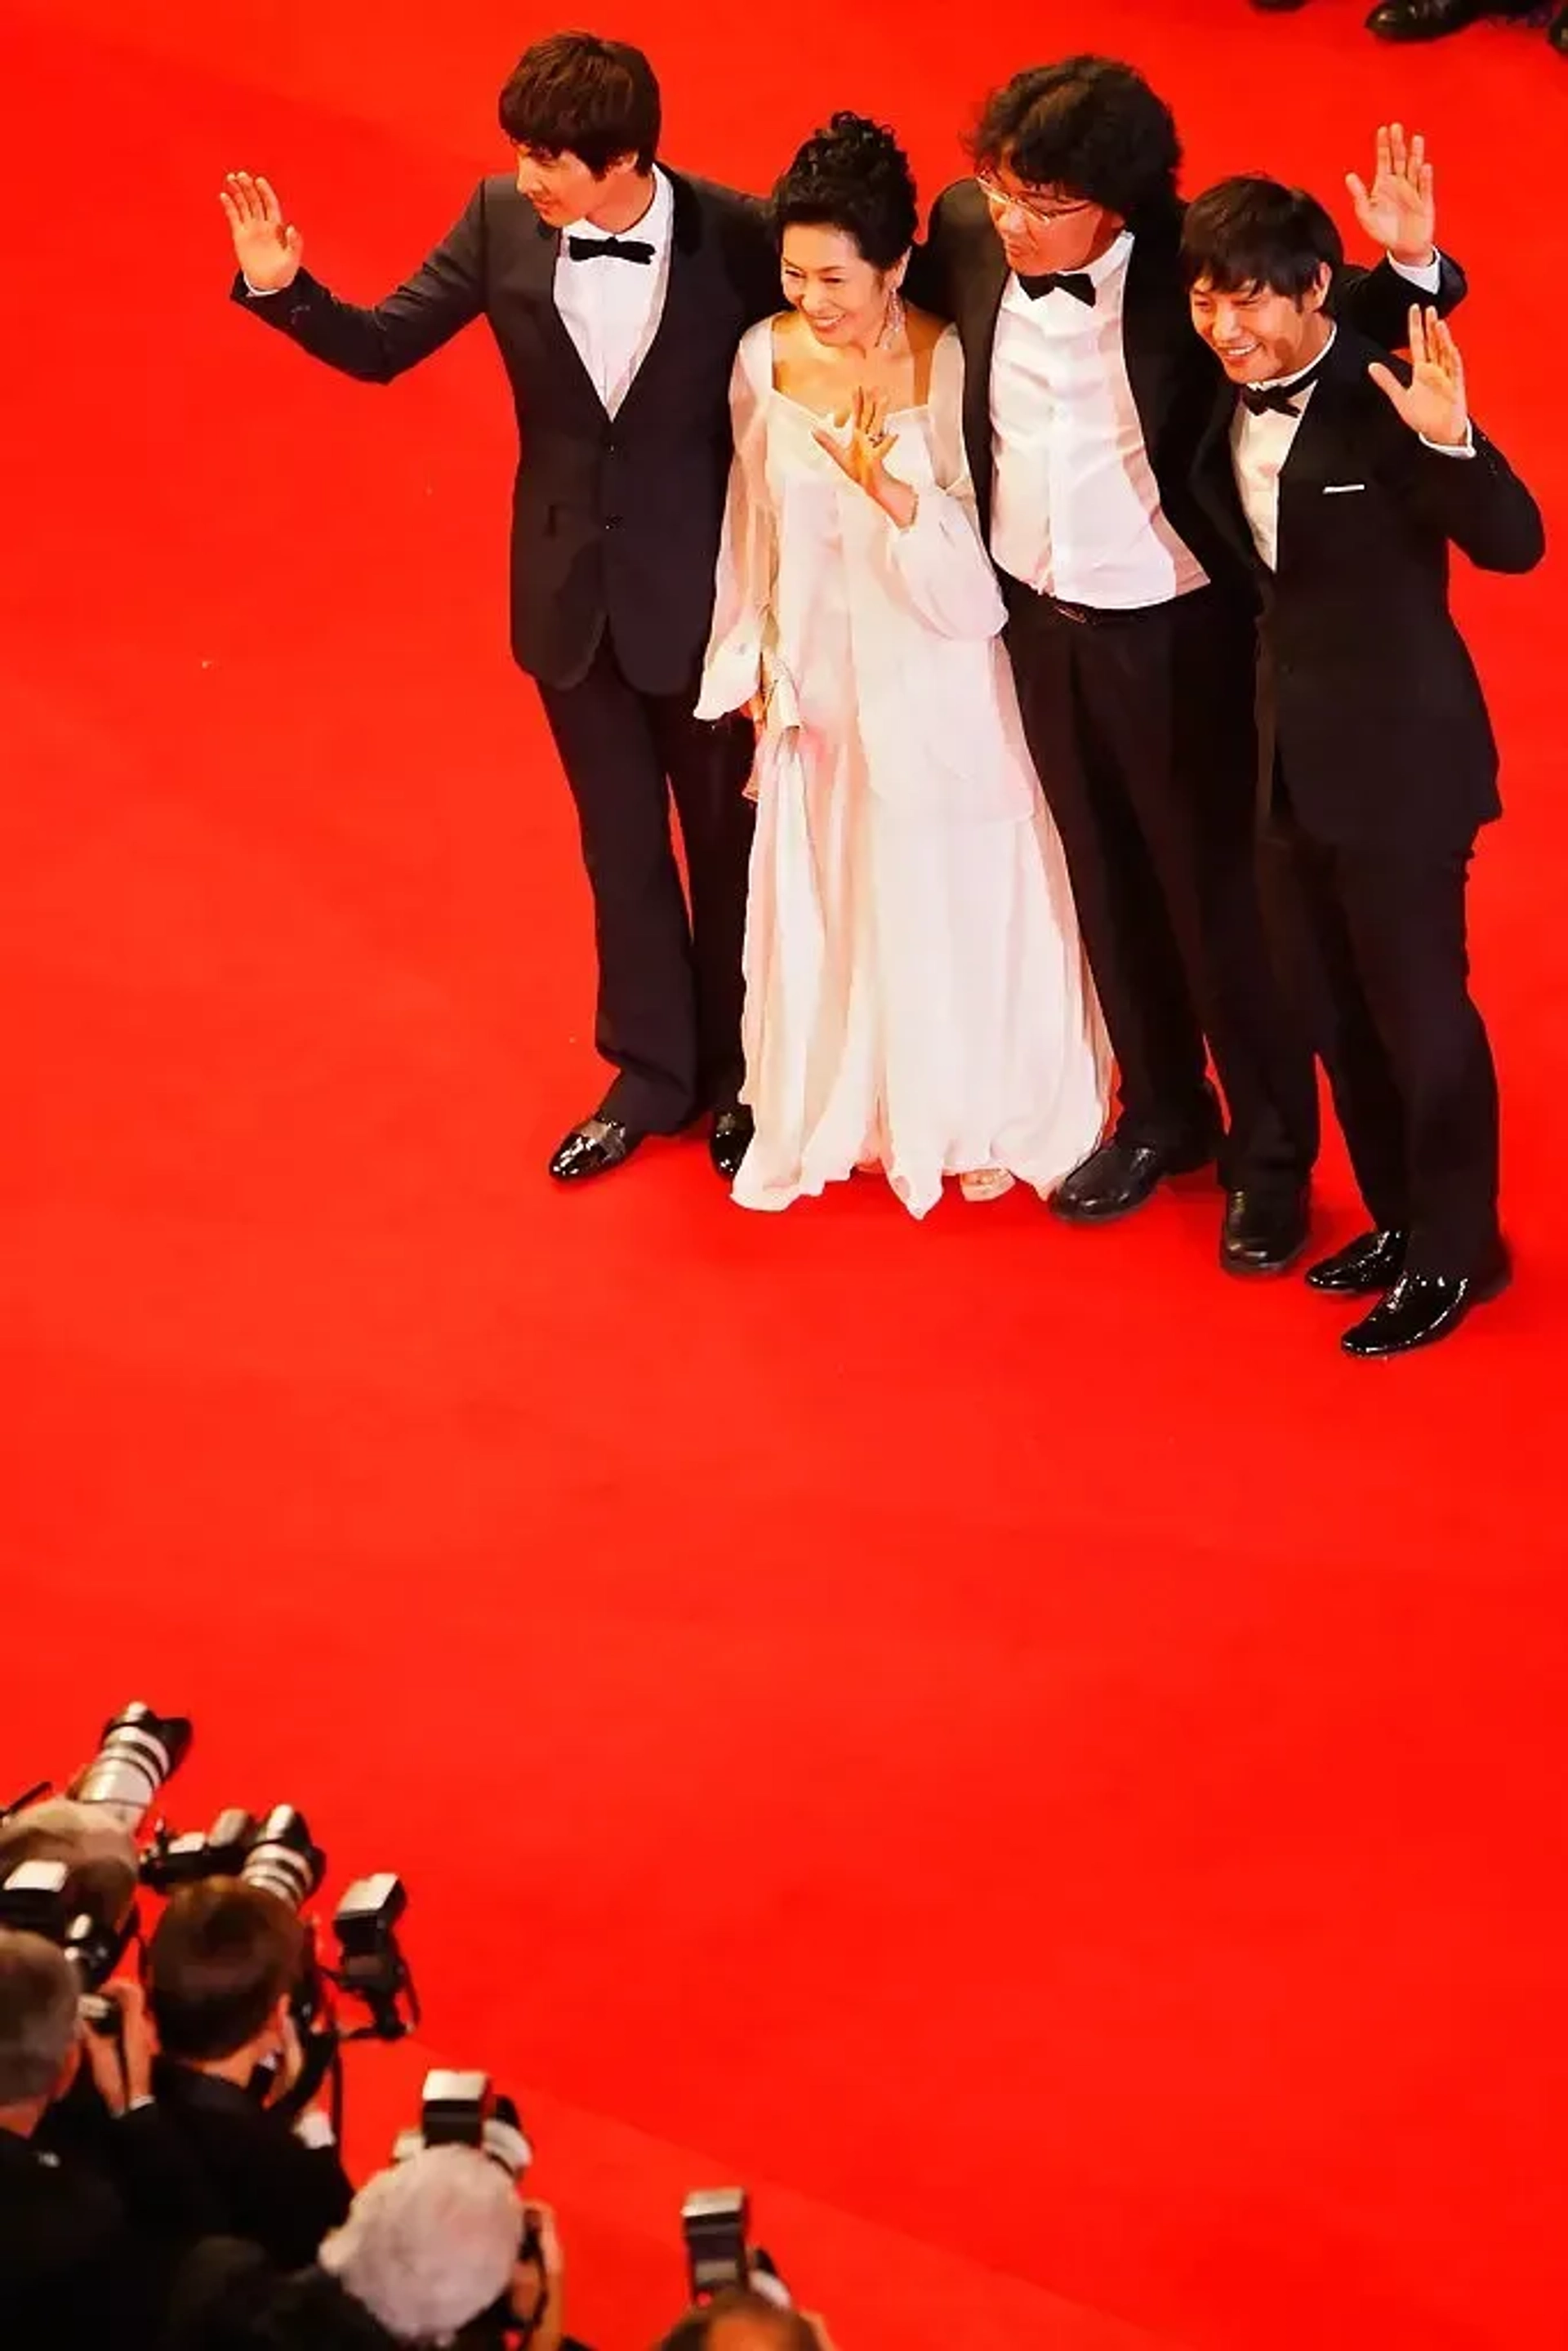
[1249, 233]
[852, 175]
[221, 1957]
[575, 94]
[1088, 125]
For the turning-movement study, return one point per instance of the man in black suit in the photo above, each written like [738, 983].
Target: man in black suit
[1130, 626]
[1343, 479]
[82, 2241]
[617, 292]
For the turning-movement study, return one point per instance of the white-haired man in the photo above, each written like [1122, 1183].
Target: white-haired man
[428, 2247]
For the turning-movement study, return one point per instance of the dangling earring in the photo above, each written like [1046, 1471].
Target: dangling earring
[893, 322]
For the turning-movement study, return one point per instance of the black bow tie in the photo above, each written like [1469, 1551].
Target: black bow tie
[1076, 282]
[589, 248]
[1258, 399]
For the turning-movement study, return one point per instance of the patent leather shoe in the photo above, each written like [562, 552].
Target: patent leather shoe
[1421, 1309]
[730, 1140]
[1427, 20]
[1119, 1177]
[592, 1149]
[1372, 1261]
[1263, 1232]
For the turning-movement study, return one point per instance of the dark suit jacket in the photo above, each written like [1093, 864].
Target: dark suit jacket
[1367, 693]
[79, 2270]
[1172, 373]
[615, 522]
[265, 2184]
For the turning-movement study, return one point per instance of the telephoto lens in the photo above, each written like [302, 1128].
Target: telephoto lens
[284, 1859]
[137, 1752]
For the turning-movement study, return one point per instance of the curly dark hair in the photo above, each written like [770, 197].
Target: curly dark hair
[853, 176]
[1089, 126]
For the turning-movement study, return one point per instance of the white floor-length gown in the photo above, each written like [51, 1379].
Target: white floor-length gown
[915, 989]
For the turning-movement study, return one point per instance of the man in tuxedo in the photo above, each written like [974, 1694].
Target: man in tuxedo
[1345, 479]
[617, 291]
[1130, 623]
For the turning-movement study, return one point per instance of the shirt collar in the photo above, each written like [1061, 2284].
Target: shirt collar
[653, 228]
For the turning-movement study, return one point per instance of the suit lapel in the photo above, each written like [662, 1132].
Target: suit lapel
[1214, 478]
[540, 253]
[1314, 454]
[683, 318]
[1154, 322]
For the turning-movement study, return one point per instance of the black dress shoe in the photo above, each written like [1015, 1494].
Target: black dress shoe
[1263, 1232]
[1428, 20]
[1421, 1309]
[1372, 1261]
[730, 1140]
[592, 1149]
[1119, 1177]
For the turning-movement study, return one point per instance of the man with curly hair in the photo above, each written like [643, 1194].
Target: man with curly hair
[1131, 623]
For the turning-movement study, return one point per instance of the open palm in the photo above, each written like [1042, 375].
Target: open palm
[267, 248]
[1433, 403]
[1399, 210]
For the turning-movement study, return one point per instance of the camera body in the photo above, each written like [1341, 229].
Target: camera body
[462, 2109]
[715, 2224]
[36, 1899]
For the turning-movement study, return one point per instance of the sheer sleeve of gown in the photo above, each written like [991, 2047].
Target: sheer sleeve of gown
[736, 666]
[940, 558]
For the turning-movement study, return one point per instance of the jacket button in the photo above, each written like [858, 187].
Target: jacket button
[612, 522]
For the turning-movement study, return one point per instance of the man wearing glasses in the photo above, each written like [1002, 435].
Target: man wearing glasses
[1131, 628]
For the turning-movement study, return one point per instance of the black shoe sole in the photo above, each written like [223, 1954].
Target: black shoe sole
[1268, 1271]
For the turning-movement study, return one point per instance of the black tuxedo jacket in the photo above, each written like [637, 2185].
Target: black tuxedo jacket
[615, 522]
[1172, 373]
[1368, 696]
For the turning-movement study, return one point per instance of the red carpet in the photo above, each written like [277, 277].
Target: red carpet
[995, 1736]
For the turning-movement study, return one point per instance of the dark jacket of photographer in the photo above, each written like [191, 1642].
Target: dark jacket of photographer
[265, 2185]
[87, 2243]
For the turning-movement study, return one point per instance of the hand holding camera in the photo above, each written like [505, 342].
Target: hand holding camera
[119, 2044]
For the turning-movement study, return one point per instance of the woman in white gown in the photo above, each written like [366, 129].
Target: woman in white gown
[917, 994]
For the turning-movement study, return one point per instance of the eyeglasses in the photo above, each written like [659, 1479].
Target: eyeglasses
[1004, 200]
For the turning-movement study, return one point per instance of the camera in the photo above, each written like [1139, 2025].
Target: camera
[463, 2110]
[137, 1752]
[36, 1899]
[370, 1966]
[715, 2224]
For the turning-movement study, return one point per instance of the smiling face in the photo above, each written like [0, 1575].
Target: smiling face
[838, 292]
[1258, 334]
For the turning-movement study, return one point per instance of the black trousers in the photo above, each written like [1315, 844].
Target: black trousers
[669, 973]
[1141, 728]
[1375, 942]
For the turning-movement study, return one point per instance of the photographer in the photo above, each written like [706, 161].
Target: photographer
[432, 2251]
[223, 1965]
[73, 2269]
[745, 2320]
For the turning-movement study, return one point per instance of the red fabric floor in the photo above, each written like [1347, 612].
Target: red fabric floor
[993, 1735]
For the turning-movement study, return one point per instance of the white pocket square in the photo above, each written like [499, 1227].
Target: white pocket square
[1339, 489]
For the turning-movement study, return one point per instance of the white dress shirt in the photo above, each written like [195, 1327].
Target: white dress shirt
[611, 308]
[1075, 509]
